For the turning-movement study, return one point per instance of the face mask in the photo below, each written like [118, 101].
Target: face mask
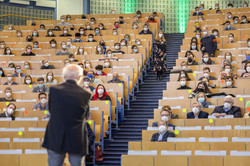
[230, 7]
[46, 64]
[71, 29]
[116, 26]
[183, 83]
[43, 101]
[10, 28]
[228, 57]
[205, 33]
[50, 33]
[62, 20]
[35, 46]
[135, 50]
[81, 32]
[201, 8]
[99, 72]
[92, 23]
[127, 39]
[68, 18]
[216, 7]
[86, 83]
[53, 45]
[190, 59]
[80, 50]
[88, 65]
[228, 26]
[91, 39]
[1, 73]
[68, 43]
[106, 64]
[198, 36]
[206, 75]
[227, 70]
[164, 118]
[65, 32]
[50, 77]
[26, 67]
[71, 59]
[8, 52]
[183, 75]
[160, 35]
[184, 67]
[244, 20]
[215, 33]
[201, 99]
[162, 129]
[205, 59]
[88, 27]
[114, 33]
[231, 38]
[117, 47]
[19, 34]
[18, 70]
[145, 28]
[10, 111]
[235, 22]
[248, 69]
[42, 29]
[102, 44]
[244, 5]
[100, 91]
[195, 110]
[193, 47]
[101, 28]
[9, 78]
[135, 27]
[138, 43]
[228, 83]
[99, 49]
[2, 46]
[200, 19]
[8, 95]
[229, 16]
[97, 32]
[29, 50]
[40, 85]
[138, 15]
[67, 64]
[34, 34]
[109, 55]
[28, 81]
[64, 46]
[123, 43]
[227, 105]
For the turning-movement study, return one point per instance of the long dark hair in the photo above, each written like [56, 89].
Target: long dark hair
[186, 75]
[205, 85]
[209, 59]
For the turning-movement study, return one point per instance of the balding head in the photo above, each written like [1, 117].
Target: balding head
[115, 74]
[72, 72]
[204, 28]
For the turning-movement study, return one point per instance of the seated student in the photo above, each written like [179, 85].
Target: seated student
[206, 74]
[64, 50]
[87, 65]
[8, 95]
[69, 44]
[97, 31]
[247, 69]
[197, 12]
[107, 63]
[229, 56]
[29, 38]
[56, 28]
[9, 80]
[210, 86]
[167, 107]
[145, 30]
[183, 83]
[28, 80]
[201, 98]
[52, 44]
[218, 11]
[46, 65]
[50, 33]
[86, 86]
[65, 33]
[227, 109]
[99, 50]
[229, 81]
[93, 80]
[9, 112]
[235, 19]
[193, 46]
[77, 38]
[101, 26]
[99, 71]
[230, 38]
[43, 103]
[201, 87]
[66, 62]
[118, 48]
[227, 71]
[134, 25]
[190, 60]
[116, 25]
[134, 49]
[165, 116]
[35, 44]
[244, 20]
[121, 20]
[92, 20]
[100, 93]
[11, 65]
[206, 60]
[138, 14]
[72, 58]
[114, 32]
[50, 80]
[63, 21]
[228, 26]
[28, 51]
[109, 55]
[18, 72]
[7, 51]
[81, 51]
[88, 26]
[41, 87]
[91, 38]
[151, 19]
[123, 43]
[245, 4]
[82, 31]
[163, 134]
[197, 113]
[115, 78]
[35, 33]
[19, 33]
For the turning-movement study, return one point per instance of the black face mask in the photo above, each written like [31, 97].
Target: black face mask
[72, 29]
[200, 90]
[121, 22]
[151, 19]
[102, 44]
[29, 39]
[83, 17]
[190, 59]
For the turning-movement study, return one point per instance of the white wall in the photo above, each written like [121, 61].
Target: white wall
[65, 7]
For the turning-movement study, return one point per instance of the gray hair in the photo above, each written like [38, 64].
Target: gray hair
[72, 72]
[229, 97]
[197, 103]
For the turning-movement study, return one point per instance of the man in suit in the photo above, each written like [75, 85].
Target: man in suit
[196, 112]
[165, 116]
[66, 131]
[163, 133]
[227, 109]
[9, 113]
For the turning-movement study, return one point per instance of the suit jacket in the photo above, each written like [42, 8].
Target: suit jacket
[235, 111]
[202, 115]
[155, 136]
[66, 131]
[3, 115]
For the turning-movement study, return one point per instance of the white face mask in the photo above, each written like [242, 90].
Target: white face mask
[114, 33]
[88, 26]
[2, 46]
[164, 118]
[8, 52]
[86, 83]
[145, 28]
[227, 70]
[228, 57]
[62, 20]
[138, 43]
[248, 69]
[67, 64]
[183, 75]
[26, 67]
[64, 46]
[160, 35]
[50, 78]
[53, 45]
[88, 65]
[183, 83]
[106, 64]
[50, 33]
[8, 94]
[100, 28]
[198, 36]
[231, 38]
[215, 33]
[195, 110]
[91, 39]
[123, 43]
[162, 129]
[99, 49]
[184, 67]
[9, 78]
[204, 33]
[193, 47]
[28, 81]
[43, 101]
[10, 111]
[227, 105]
[80, 50]
[100, 91]
[228, 83]
[206, 75]
[109, 55]
[117, 47]
[244, 5]
[205, 59]
[65, 32]
[81, 32]
[46, 64]
[92, 23]
[68, 43]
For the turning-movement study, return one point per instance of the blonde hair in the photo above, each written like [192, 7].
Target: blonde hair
[158, 38]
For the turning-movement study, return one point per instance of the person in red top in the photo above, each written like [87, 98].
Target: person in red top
[99, 71]
[151, 19]
[100, 93]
